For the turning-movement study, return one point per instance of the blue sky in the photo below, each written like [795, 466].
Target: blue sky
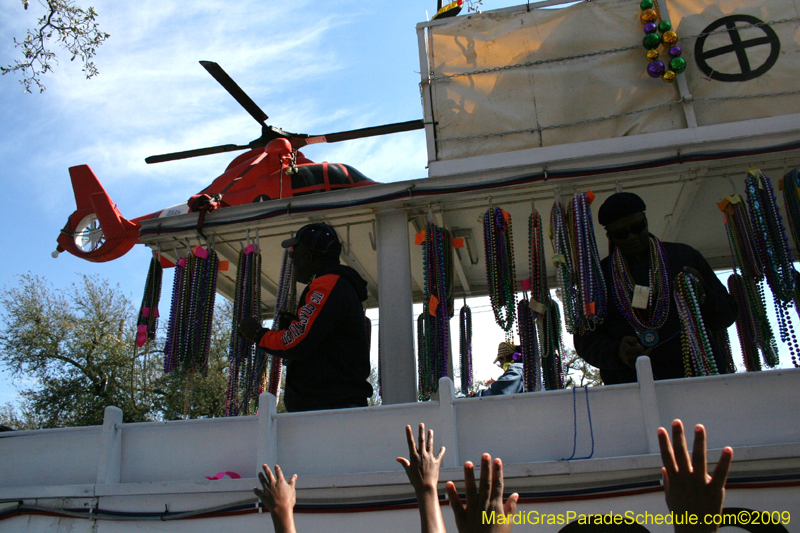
[313, 67]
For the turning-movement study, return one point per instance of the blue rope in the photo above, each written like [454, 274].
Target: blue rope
[575, 425]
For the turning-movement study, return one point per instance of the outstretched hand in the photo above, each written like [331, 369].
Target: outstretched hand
[687, 485]
[279, 496]
[488, 497]
[422, 469]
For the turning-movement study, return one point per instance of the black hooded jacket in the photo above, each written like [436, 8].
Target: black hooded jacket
[600, 347]
[326, 350]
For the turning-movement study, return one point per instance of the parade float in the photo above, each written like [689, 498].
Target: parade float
[531, 115]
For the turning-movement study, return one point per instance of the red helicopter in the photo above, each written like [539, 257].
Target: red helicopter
[272, 168]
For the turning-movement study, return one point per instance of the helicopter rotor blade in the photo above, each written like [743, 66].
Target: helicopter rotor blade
[231, 86]
[195, 153]
[397, 127]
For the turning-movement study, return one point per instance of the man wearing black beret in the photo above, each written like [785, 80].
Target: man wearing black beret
[642, 316]
[325, 346]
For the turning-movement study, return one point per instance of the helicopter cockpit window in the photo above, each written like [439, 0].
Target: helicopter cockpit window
[355, 175]
[308, 176]
[337, 176]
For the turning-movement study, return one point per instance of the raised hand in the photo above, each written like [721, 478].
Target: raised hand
[687, 486]
[279, 496]
[487, 498]
[422, 469]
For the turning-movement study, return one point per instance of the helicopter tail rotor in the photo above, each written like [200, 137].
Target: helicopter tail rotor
[96, 230]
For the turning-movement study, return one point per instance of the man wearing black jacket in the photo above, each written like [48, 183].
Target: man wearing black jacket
[325, 346]
[642, 319]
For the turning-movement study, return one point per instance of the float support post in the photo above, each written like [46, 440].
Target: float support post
[396, 330]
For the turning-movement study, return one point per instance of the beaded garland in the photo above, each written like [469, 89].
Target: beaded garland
[147, 324]
[500, 268]
[529, 345]
[752, 325]
[698, 358]
[437, 255]
[577, 261]
[189, 332]
[770, 237]
[650, 17]
[176, 318]
[247, 360]
[540, 290]
[465, 348]
[645, 322]
[565, 270]
[552, 347]
[286, 302]
[791, 201]
[591, 282]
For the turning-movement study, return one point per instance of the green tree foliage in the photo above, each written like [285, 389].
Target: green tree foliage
[181, 395]
[63, 24]
[76, 347]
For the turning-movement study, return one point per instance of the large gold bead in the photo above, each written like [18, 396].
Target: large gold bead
[668, 77]
[652, 55]
[669, 37]
[648, 15]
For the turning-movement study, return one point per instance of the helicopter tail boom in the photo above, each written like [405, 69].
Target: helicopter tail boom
[96, 230]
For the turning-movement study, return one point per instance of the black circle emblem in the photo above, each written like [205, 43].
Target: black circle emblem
[739, 47]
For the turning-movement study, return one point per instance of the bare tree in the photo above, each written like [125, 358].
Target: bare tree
[579, 372]
[63, 24]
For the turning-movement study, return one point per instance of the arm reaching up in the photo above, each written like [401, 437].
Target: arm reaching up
[279, 497]
[687, 485]
[487, 498]
[422, 469]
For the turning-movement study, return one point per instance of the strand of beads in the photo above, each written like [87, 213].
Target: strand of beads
[176, 318]
[465, 348]
[752, 324]
[552, 347]
[655, 315]
[437, 293]
[529, 345]
[746, 327]
[500, 269]
[147, 324]
[237, 348]
[791, 201]
[201, 315]
[424, 376]
[540, 291]
[565, 270]
[653, 26]
[285, 302]
[591, 285]
[770, 236]
[698, 357]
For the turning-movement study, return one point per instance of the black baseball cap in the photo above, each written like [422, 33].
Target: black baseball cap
[320, 237]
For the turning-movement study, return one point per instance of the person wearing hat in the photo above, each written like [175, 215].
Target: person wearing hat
[325, 346]
[511, 382]
[642, 317]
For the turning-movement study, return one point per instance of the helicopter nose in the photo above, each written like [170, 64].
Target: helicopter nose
[279, 147]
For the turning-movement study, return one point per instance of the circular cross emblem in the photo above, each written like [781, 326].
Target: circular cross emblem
[739, 47]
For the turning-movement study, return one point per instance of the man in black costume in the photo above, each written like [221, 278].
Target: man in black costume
[325, 346]
[642, 317]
